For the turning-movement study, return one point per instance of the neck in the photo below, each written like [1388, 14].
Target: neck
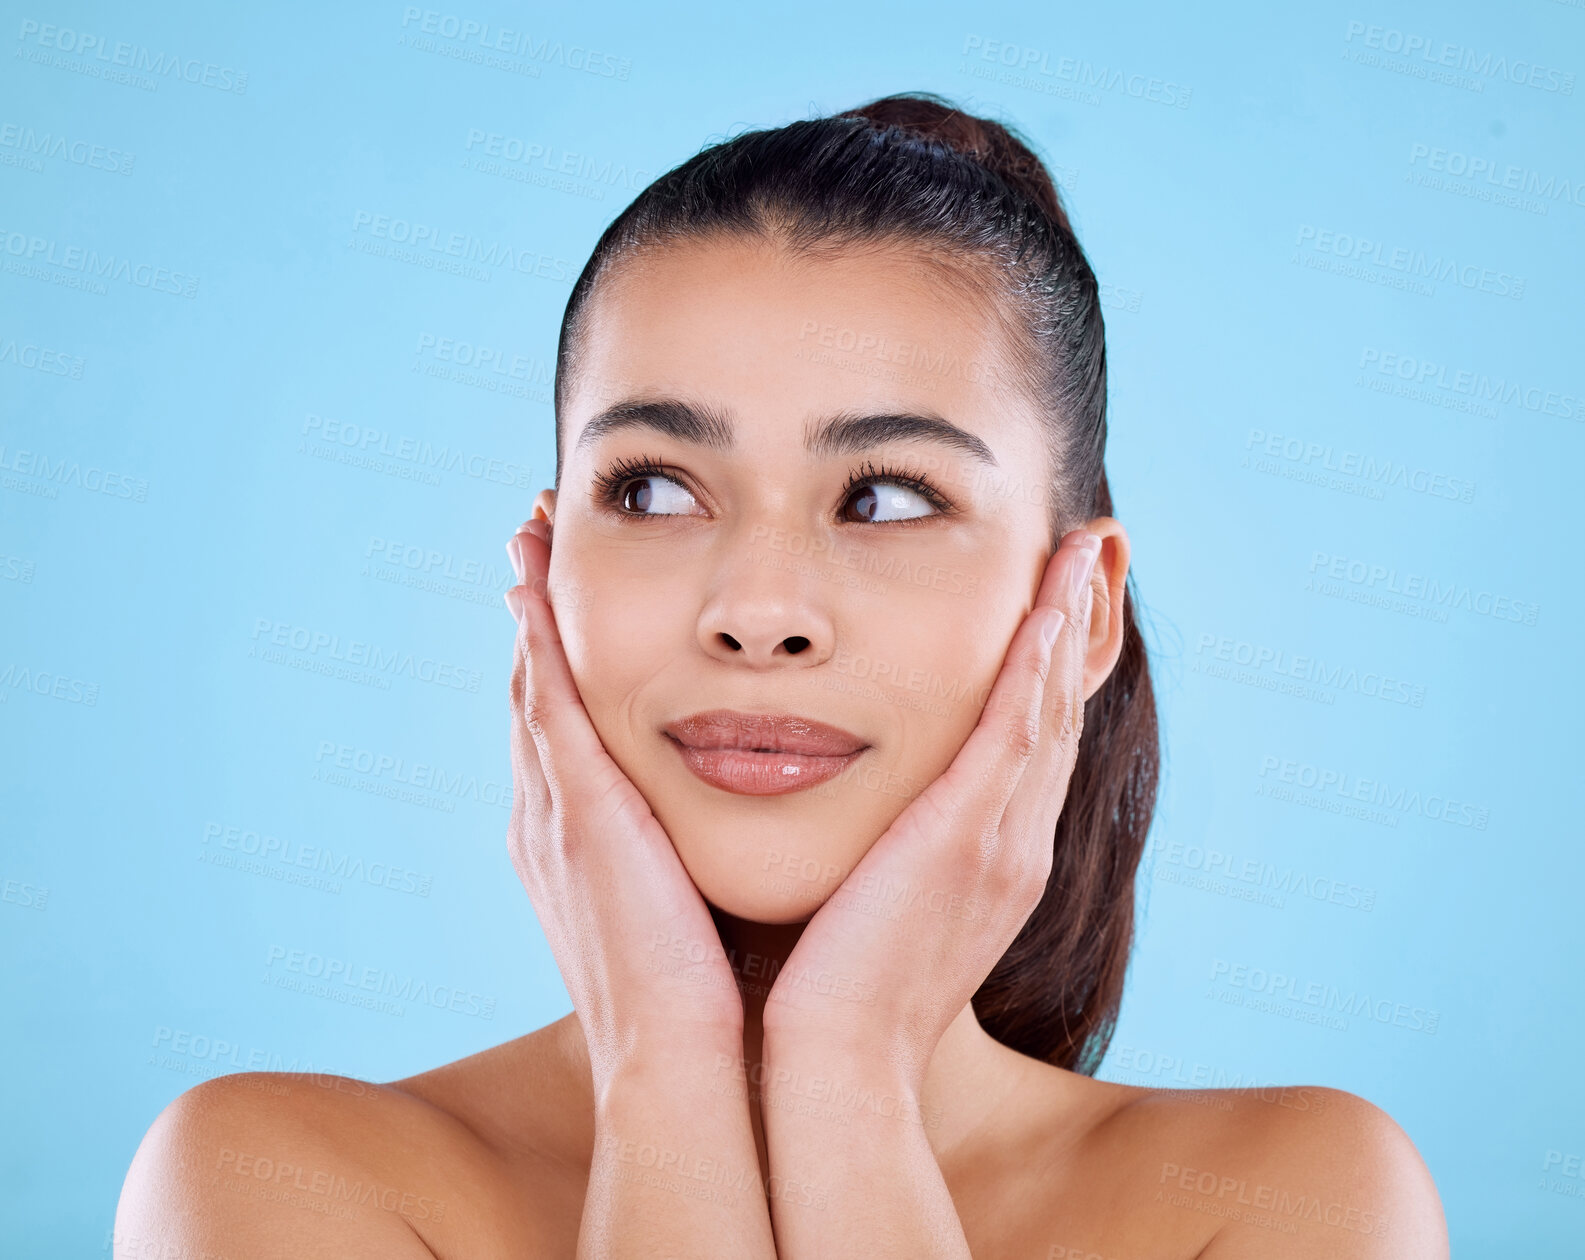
[969, 1074]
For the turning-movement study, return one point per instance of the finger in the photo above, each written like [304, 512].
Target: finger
[1038, 797]
[1064, 697]
[545, 700]
[535, 527]
[1065, 589]
[1021, 733]
[974, 790]
[528, 776]
[540, 529]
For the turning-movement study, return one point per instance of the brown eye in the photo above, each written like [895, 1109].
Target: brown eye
[636, 496]
[654, 494]
[879, 502]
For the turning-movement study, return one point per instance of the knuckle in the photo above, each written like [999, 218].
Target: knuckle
[1023, 735]
[1018, 880]
[1040, 662]
[986, 854]
[535, 840]
[1006, 883]
[1036, 861]
[535, 713]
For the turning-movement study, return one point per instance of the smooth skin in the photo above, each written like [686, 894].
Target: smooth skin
[762, 1061]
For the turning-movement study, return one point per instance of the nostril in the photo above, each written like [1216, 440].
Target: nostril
[794, 645]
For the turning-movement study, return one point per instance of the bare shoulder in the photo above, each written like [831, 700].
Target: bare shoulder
[299, 1164]
[1284, 1171]
[280, 1163]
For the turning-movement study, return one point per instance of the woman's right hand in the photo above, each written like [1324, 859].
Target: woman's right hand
[642, 960]
[632, 936]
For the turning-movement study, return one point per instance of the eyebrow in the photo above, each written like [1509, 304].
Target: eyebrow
[845, 433]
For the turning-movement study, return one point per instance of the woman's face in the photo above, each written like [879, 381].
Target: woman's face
[770, 570]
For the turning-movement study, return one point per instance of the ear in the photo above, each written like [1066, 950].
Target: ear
[1106, 602]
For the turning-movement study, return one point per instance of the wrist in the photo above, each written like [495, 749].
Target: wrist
[795, 1059]
[671, 1066]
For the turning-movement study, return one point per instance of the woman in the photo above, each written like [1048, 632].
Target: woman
[808, 633]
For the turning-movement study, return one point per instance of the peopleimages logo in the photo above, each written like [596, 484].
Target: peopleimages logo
[400, 238]
[1257, 872]
[424, 457]
[313, 857]
[423, 775]
[1325, 997]
[482, 358]
[49, 144]
[66, 471]
[1504, 175]
[1030, 66]
[1480, 387]
[1258, 657]
[556, 161]
[335, 974]
[41, 251]
[1410, 264]
[383, 662]
[1452, 593]
[37, 358]
[1443, 55]
[1375, 472]
[102, 58]
[466, 32]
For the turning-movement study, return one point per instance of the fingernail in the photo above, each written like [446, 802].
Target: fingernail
[514, 553]
[514, 604]
[1084, 565]
[1052, 626]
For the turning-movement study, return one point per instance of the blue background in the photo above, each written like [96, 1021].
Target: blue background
[186, 478]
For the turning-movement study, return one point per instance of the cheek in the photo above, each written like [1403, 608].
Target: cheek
[923, 677]
[614, 640]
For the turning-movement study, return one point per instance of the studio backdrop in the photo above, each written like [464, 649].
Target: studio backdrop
[279, 295]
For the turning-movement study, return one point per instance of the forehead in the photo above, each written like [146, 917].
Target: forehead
[774, 337]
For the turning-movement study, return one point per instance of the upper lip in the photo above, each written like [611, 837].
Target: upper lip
[767, 732]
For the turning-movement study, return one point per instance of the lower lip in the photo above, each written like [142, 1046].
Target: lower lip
[761, 773]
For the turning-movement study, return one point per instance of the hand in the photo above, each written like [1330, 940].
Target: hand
[894, 955]
[632, 937]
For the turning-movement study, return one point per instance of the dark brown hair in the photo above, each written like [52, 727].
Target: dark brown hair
[913, 170]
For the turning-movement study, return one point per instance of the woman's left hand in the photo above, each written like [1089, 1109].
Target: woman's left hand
[895, 954]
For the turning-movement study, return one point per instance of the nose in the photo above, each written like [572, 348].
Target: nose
[765, 620]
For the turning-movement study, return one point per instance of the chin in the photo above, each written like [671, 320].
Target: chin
[766, 870]
[755, 907]
[766, 859]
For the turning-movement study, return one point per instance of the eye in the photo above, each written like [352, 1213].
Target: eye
[654, 494]
[881, 501]
[886, 496]
[639, 487]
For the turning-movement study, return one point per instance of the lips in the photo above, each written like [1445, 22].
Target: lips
[762, 754]
[763, 732]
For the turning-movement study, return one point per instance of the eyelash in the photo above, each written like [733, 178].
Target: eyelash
[610, 484]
